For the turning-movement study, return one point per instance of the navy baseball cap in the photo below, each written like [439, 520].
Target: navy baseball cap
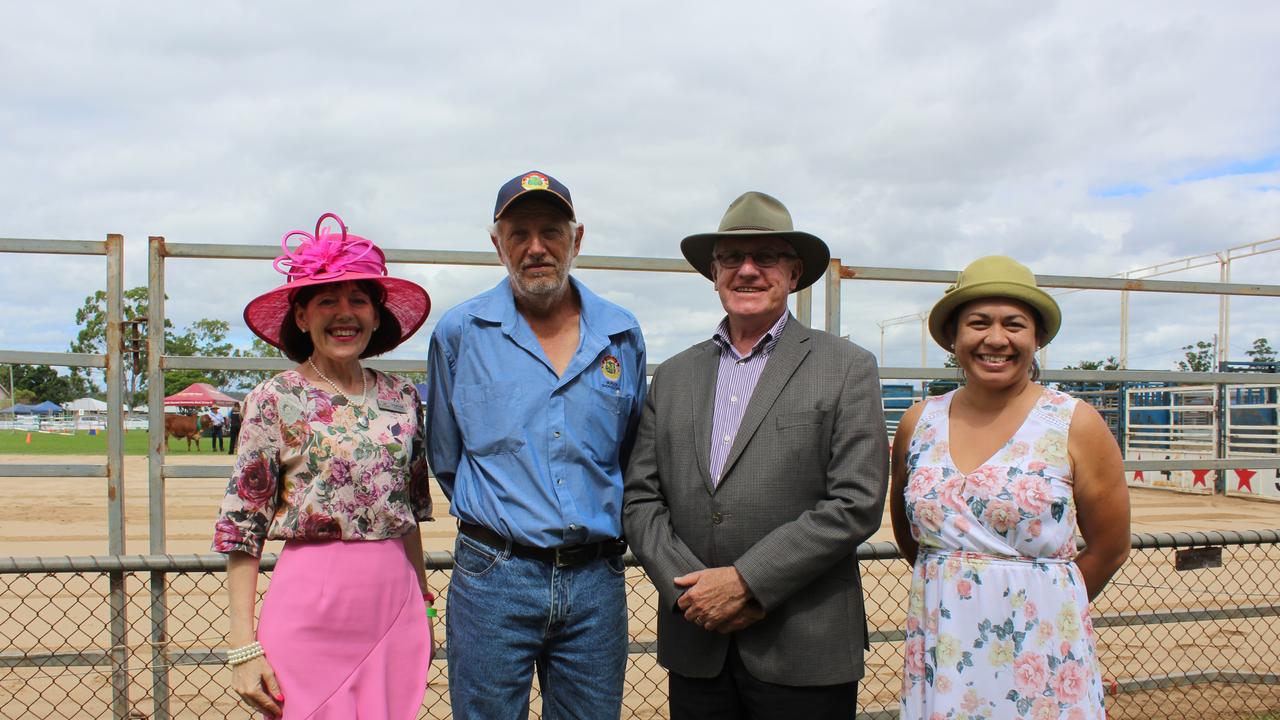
[532, 182]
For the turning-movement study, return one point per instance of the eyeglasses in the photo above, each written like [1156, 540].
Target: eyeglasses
[762, 258]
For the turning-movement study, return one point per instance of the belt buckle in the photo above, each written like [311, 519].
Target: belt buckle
[566, 557]
[558, 560]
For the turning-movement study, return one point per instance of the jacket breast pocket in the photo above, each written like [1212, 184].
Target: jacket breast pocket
[491, 417]
[798, 419]
[804, 440]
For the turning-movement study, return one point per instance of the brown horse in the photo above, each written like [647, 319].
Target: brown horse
[186, 426]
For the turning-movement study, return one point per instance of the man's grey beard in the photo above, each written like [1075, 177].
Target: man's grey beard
[540, 288]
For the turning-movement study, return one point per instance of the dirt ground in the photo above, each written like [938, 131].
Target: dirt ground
[67, 516]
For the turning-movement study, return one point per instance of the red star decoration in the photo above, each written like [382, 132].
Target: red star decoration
[1244, 478]
[1200, 478]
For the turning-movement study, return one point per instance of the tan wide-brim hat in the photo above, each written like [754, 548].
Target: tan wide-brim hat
[755, 214]
[994, 276]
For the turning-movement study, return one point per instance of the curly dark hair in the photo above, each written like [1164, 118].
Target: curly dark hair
[297, 345]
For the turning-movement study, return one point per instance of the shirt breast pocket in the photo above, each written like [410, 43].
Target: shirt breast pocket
[604, 423]
[490, 418]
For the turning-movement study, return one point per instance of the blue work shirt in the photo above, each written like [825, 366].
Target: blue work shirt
[535, 457]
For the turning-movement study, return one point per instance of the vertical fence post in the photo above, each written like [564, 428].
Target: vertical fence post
[804, 306]
[155, 476]
[833, 297]
[118, 599]
[1124, 329]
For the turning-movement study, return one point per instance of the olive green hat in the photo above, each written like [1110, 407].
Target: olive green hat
[760, 215]
[990, 277]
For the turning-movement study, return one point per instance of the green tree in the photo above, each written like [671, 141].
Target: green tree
[92, 338]
[206, 338]
[1261, 351]
[1199, 357]
[1109, 364]
[24, 397]
[45, 383]
[175, 380]
[259, 349]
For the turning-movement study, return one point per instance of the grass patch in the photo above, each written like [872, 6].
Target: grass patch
[82, 443]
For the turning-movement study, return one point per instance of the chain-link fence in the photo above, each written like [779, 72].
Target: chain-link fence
[1203, 641]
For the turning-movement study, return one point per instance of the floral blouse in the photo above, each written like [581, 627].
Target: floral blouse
[313, 466]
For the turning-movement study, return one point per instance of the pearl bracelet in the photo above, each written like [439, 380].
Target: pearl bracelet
[242, 655]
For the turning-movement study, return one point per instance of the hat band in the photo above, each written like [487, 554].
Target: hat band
[752, 227]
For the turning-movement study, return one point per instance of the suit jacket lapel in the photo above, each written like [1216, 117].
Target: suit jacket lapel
[787, 355]
[704, 390]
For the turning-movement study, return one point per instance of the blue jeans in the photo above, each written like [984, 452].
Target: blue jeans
[509, 615]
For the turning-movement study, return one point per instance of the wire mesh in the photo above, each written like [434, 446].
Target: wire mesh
[1204, 642]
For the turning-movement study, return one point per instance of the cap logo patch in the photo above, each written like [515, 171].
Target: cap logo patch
[534, 181]
[611, 368]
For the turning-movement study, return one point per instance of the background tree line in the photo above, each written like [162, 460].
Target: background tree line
[208, 338]
[204, 337]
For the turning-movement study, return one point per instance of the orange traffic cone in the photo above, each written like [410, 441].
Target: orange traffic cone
[28, 438]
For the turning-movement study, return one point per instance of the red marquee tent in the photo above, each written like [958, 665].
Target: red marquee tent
[199, 395]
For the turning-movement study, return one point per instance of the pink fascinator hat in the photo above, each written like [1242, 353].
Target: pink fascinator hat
[334, 256]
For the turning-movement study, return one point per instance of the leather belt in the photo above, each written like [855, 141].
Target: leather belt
[561, 557]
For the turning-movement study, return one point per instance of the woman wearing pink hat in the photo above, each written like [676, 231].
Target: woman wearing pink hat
[331, 461]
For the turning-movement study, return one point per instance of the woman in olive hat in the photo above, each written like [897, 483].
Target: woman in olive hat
[989, 482]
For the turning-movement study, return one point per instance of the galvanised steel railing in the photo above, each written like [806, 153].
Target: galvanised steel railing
[111, 361]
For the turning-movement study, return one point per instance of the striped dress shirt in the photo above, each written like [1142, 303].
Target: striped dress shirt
[735, 381]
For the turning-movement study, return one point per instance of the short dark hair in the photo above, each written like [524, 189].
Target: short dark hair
[297, 345]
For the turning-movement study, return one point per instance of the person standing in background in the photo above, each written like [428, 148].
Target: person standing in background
[233, 423]
[216, 428]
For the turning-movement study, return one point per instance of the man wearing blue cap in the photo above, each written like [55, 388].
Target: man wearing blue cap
[534, 393]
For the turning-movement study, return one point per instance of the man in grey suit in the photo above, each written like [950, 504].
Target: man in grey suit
[760, 464]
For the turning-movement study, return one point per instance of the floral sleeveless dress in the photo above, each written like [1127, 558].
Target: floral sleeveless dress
[998, 616]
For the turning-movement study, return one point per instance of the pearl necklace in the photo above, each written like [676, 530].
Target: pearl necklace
[364, 384]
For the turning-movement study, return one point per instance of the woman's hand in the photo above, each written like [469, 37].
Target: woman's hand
[255, 682]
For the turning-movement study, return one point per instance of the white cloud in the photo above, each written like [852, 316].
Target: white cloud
[906, 135]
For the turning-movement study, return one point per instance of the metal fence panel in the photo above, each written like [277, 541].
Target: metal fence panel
[1203, 643]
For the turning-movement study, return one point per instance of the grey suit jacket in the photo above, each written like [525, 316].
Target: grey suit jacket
[803, 485]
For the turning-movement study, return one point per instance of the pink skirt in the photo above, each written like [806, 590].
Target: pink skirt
[344, 627]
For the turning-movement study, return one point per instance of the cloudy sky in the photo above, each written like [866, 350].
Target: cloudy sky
[1083, 138]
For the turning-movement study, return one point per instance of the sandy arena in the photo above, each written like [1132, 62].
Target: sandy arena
[67, 516]
[77, 508]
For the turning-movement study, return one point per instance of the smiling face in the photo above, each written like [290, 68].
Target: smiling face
[750, 293]
[340, 318]
[537, 243]
[995, 341]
